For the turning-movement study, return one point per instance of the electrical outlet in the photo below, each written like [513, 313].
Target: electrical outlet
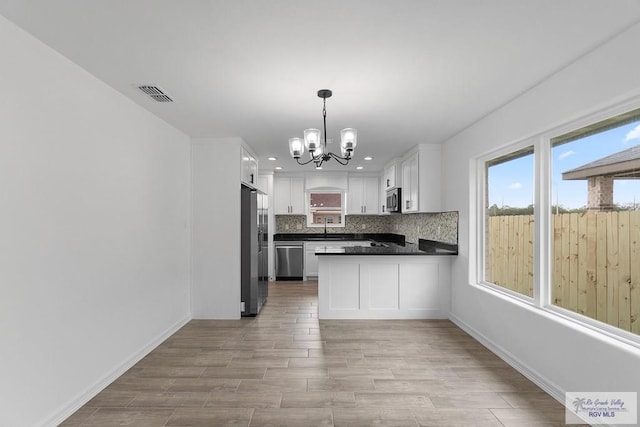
[286, 226]
[242, 308]
[298, 226]
[364, 226]
[397, 228]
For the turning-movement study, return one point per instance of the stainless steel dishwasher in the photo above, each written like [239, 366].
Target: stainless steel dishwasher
[289, 260]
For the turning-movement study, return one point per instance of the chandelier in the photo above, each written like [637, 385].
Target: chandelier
[317, 150]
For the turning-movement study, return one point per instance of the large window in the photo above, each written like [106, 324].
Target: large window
[509, 221]
[583, 186]
[595, 218]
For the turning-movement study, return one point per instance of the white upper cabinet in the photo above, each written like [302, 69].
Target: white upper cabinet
[383, 196]
[289, 195]
[421, 182]
[390, 178]
[249, 168]
[410, 179]
[363, 196]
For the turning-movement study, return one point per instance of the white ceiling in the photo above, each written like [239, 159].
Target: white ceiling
[403, 72]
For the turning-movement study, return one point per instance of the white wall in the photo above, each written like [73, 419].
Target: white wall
[563, 356]
[215, 276]
[94, 239]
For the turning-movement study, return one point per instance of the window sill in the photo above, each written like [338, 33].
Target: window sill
[590, 327]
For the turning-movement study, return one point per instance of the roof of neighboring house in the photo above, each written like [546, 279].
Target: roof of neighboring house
[623, 164]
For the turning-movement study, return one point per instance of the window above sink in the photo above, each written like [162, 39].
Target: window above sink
[325, 208]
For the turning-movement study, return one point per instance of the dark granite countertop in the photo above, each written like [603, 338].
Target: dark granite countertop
[372, 244]
[424, 247]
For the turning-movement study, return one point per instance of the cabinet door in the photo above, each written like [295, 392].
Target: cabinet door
[355, 205]
[253, 171]
[310, 260]
[297, 196]
[248, 168]
[382, 203]
[370, 196]
[390, 177]
[282, 195]
[410, 184]
[244, 165]
[415, 184]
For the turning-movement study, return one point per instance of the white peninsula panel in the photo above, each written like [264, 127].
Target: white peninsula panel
[383, 287]
[344, 287]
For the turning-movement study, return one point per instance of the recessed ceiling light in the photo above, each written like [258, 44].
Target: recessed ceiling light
[359, 167]
[273, 159]
[278, 168]
[368, 158]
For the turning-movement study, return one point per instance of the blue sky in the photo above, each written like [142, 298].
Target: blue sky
[511, 183]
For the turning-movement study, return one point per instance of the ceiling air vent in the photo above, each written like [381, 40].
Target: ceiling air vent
[155, 93]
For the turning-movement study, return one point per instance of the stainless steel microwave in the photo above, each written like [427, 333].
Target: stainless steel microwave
[394, 201]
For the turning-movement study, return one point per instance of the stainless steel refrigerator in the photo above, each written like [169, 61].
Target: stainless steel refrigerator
[254, 249]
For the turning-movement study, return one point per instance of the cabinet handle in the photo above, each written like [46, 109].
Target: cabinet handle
[387, 182]
[251, 178]
[365, 209]
[407, 204]
[382, 208]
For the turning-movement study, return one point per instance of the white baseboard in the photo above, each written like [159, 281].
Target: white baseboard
[544, 383]
[76, 403]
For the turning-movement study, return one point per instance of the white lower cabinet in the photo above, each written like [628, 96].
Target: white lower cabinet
[383, 287]
[311, 259]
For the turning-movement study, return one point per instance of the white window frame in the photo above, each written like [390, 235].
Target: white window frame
[343, 207]
[481, 179]
[542, 223]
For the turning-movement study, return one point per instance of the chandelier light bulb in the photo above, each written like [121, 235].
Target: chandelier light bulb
[296, 147]
[312, 139]
[348, 138]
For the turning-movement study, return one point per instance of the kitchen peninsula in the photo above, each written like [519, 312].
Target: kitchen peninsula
[385, 281]
[380, 276]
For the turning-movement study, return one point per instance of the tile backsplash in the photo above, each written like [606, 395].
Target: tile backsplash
[441, 226]
[353, 224]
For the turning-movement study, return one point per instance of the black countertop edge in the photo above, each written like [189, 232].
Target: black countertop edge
[428, 248]
[433, 246]
[305, 237]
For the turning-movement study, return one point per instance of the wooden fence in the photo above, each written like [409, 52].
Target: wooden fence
[595, 262]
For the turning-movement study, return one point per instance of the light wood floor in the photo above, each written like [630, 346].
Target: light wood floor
[286, 368]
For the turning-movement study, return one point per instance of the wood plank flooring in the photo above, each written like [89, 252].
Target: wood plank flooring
[285, 368]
